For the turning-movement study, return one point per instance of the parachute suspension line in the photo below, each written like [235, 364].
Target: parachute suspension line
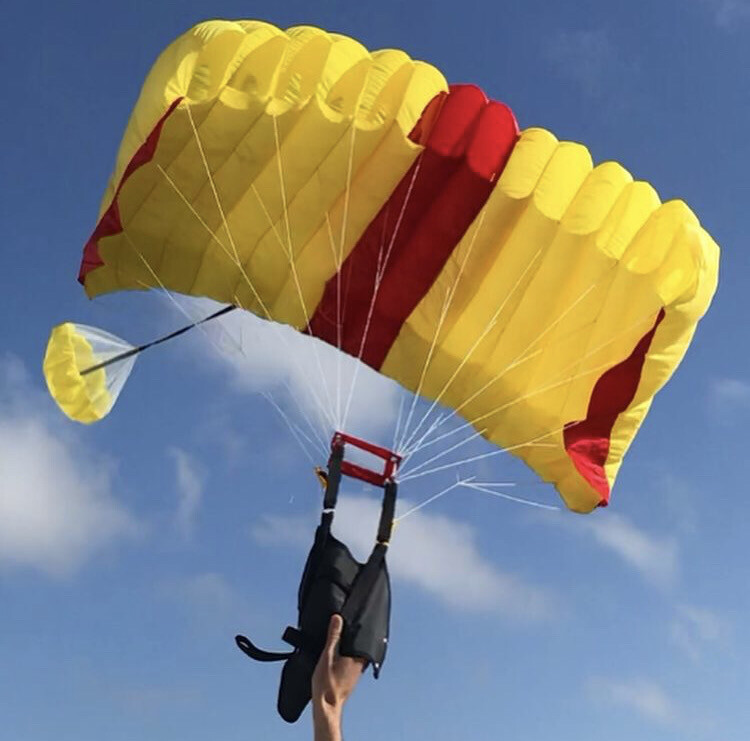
[509, 497]
[541, 390]
[497, 410]
[237, 344]
[314, 429]
[295, 430]
[158, 281]
[487, 329]
[147, 345]
[399, 419]
[169, 294]
[647, 319]
[437, 422]
[195, 213]
[234, 259]
[290, 255]
[521, 357]
[499, 451]
[322, 444]
[211, 182]
[237, 304]
[443, 453]
[338, 260]
[423, 441]
[379, 274]
[324, 406]
[339, 263]
[237, 260]
[469, 483]
[497, 484]
[441, 319]
[556, 384]
[431, 499]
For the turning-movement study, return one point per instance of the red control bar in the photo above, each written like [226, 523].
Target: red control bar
[391, 460]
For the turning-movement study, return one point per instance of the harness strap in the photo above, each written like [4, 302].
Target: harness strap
[334, 478]
[387, 511]
[248, 647]
[295, 637]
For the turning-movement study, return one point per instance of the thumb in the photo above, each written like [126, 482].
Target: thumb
[334, 636]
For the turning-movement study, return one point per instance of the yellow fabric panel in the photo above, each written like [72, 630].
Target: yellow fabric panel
[381, 156]
[562, 273]
[693, 263]
[305, 135]
[83, 398]
[187, 60]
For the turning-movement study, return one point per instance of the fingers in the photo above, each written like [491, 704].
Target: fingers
[334, 636]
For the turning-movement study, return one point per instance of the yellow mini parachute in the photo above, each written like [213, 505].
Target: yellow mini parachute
[78, 372]
[359, 198]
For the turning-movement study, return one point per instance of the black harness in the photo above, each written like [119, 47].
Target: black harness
[334, 582]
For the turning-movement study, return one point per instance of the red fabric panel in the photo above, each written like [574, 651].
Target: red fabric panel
[110, 222]
[467, 140]
[587, 442]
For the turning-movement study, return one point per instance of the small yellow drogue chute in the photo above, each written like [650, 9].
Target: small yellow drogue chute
[80, 372]
[86, 368]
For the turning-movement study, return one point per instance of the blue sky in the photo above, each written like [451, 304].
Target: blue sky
[132, 551]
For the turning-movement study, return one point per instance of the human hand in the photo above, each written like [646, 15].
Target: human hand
[335, 677]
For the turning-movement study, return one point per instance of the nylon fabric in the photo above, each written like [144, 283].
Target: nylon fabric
[561, 275]
[258, 161]
[72, 349]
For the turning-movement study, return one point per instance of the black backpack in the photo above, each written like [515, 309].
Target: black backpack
[335, 582]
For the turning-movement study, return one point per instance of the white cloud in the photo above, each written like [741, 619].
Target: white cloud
[211, 606]
[56, 501]
[653, 703]
[728, 13]
[208, 590]
[189, 490]
[729, 399]
[679, 499]
[295, 532]
[655, 558]
[585, 57]
[432, 552]
[643, 696]
[309, 379]
[696, 629]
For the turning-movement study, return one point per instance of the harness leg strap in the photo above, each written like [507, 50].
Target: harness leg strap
[249, 648]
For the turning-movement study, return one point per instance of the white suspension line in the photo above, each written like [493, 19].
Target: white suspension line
[376, 286]
[431, 499]
[441, 319]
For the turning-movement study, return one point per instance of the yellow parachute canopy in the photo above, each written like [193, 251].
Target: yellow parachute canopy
[357, 197]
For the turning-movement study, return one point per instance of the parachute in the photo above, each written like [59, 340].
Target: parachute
[79, 375]
[360, 199]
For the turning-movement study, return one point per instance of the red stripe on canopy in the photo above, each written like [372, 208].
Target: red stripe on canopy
[587, 442]
[467, 140]
[110, 222]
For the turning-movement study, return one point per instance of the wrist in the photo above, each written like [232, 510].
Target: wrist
[326, 720]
